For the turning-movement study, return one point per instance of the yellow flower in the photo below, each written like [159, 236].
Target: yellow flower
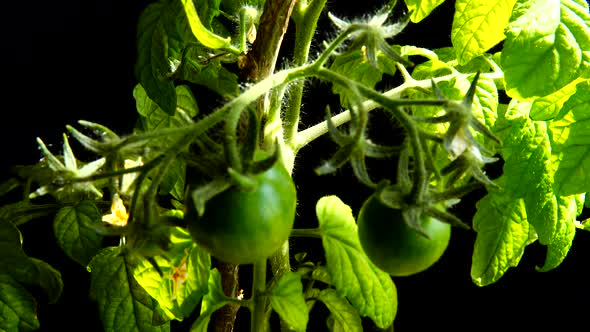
[118, 216]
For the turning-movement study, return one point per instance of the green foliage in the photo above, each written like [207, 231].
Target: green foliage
[205, 111]
[421, 8]
[343, 315]
[17, 306]
[478, 26]
[554, 36]
[73, 231]
[370, 290]
[288, 301]
[123, 304]
[213, 300]
[184, 277]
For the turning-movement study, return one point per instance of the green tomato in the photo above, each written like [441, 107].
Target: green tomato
[395, 247]
[243, 227]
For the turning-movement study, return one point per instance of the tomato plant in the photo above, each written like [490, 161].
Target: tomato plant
[492, 120]
[395, 247]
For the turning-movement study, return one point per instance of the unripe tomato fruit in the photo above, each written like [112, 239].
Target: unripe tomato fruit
[395, 247]
[243, 227]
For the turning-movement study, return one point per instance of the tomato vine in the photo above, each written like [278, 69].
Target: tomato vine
[196, 193]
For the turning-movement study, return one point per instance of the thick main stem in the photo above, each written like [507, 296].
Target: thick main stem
[258, 65]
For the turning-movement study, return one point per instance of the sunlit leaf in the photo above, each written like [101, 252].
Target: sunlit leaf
[547, 46]
[548, 107]
[203, 35]
[357, 67]
[478, 26]
[502, 234]
[421, 8]
[288, 301]
[345, 316]
[184, 276]
[570, 143]
[370, 290]
[564, 235]
[123, 304]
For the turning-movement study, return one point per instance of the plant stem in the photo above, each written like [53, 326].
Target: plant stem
[257, 322]
[261, 60]
[305, 23]
[393, 106]
[308, 135]
[306, 232]
[259, 64]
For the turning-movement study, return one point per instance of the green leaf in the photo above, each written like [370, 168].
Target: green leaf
[212, 75]
[370, 290]
[322, 274]
[570, 144]
[580, 199]
[485, 107]
[356, 67]
[208, 10]
[528, 169]
[18, 309]
[203, 35]
[431, 68]
[186, 101]
[562, 241]
[153, 64]
[502, 234]
[73, 234]
[585, 224]
[548, 107]
[547, 46]
[185, 275]
[15, 263]
[13, 259]
[123, 304]
[409, 50]
[212, 301]
[49, 279]
[153, 117]
[288, 301]
[478, 26]
[345, 316]
[421, 8]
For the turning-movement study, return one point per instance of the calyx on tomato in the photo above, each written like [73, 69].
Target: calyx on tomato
[244, 227]
[395, 247]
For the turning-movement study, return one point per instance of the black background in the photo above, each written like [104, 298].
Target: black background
[70, 60]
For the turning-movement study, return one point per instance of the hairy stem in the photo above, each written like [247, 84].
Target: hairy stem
[308, 135]
[393, 106]
[259, 64]
[305, 23]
